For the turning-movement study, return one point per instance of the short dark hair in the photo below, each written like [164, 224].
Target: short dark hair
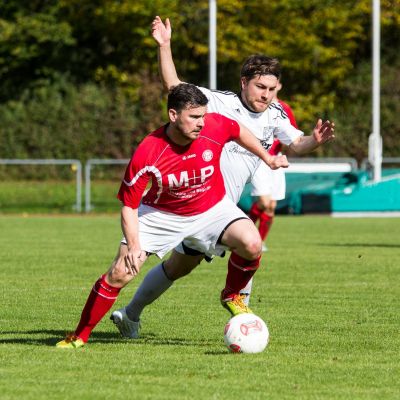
[259, 64]
[186, 96]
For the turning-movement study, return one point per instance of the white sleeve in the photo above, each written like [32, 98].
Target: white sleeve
[217, 100]
[286, 133]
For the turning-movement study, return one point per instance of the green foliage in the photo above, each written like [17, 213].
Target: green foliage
[107, 44]
[354, 113]
[68, 121]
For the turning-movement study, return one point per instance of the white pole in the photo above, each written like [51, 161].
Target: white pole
[376, 107]
[212, 44]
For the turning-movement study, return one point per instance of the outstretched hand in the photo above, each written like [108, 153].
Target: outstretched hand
[161, 31]
[324, 132]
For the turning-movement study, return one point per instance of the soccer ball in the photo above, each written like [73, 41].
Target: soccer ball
[246, 333]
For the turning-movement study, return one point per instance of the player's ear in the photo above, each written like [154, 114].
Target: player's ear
[172, 114]
[279, 86]
[243, 82]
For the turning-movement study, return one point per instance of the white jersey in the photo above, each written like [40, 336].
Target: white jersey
[237, 164]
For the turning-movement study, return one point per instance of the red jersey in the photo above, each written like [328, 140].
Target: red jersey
[277, 145]
[185, 180]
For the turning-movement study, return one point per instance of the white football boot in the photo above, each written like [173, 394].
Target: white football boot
[127, 328]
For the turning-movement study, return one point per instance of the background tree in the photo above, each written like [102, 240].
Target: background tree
[97, 58]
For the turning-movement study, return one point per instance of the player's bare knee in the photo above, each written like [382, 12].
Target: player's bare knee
[252, 247]
[117, 274]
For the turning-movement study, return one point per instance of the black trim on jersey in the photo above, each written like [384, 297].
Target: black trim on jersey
[226, 92]
[279, 107]
[227, 226]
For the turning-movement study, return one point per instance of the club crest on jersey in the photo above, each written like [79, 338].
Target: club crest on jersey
[267, 132]
[207, 155]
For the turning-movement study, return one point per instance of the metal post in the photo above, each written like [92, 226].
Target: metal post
[78, 165]
[376, 112]
[88, 167]
[212, 44]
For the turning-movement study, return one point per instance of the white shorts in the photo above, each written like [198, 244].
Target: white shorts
[160, 232]
[268, 182]
[237, 170]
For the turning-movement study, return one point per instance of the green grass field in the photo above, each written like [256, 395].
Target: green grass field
[328, 289]
[55, 196]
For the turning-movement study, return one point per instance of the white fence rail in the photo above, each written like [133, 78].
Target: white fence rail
[75, 164]
[88, 170]
[310, 165]
[327, 164]
[385, 160]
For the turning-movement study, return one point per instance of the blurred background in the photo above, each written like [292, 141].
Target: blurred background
[79, 81]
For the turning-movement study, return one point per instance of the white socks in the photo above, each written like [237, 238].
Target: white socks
[247, 291]
[154, 284]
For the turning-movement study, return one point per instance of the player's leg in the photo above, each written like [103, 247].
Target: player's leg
[255, 212]
[262, 187]
[267, 205]
[278, 189]
[244, 240]
[101, 298]
[157, 281]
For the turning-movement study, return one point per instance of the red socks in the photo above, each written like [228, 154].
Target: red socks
[255, 212]
[240, 271]
[265, 225]
[100, 300]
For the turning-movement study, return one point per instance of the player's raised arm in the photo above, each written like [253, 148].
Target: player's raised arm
[322, 133]
[247, 140]
[161, 33]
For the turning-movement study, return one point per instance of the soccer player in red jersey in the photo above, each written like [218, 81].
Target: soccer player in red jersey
[186, 200]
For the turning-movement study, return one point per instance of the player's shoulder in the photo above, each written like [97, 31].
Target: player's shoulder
[285, 106]
[156, 136]
[277, 110]
[225, 97]
[153, 141]
[214, 118]
[216, 92]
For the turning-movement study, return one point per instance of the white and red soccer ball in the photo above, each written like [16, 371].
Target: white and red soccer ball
[246, 333]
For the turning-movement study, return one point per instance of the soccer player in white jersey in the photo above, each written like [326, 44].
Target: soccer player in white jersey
[263, 209]
[252, 107]
[186, 199]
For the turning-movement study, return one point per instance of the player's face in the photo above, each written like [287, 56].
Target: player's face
[188, 123]
[259, 92]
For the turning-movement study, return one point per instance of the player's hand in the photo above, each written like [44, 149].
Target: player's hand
[324, 132]
[161, 32]
[278, 162]
[134, 259]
